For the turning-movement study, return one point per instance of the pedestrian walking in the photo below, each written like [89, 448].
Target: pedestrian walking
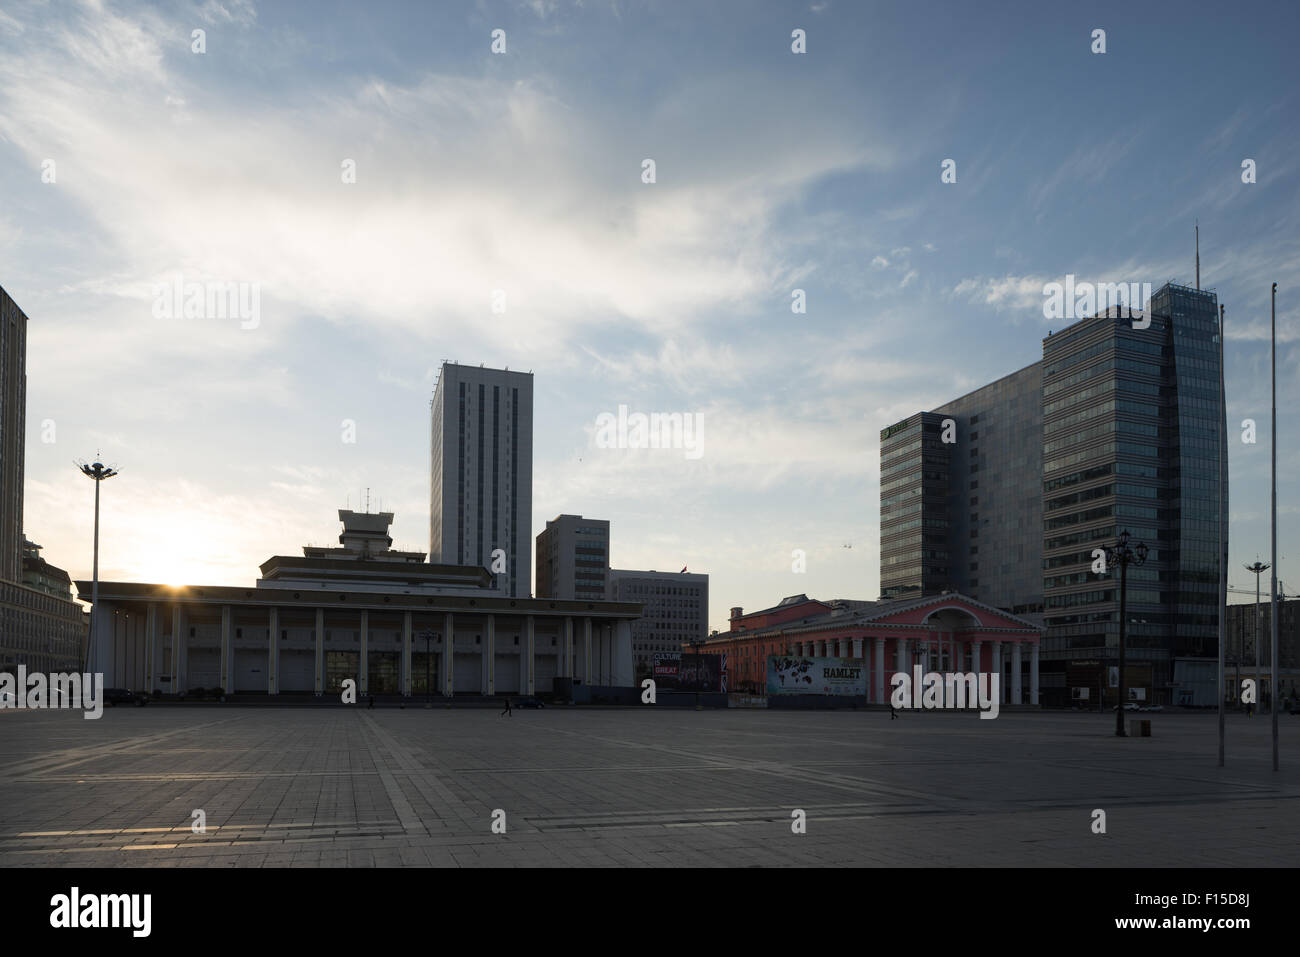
[893, 712]
[507, 711]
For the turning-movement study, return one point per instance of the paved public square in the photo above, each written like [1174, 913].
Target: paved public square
[637, 787]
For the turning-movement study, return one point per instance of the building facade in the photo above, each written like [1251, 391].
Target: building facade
[573, 558]
[41, 627]
[13, 419]
[944, 633]
[1117, 428]
[392, 625]
[1133, 427]
[481, 471]
[676, 610]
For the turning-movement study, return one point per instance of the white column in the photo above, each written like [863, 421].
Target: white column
[1033, 674]
[448, 654]
[363, 678]
[227, 653]
[975, 657]
[320, 651]
[606, 653]
[586, 650]
[529, 638]
[880, 671]
[273, 651]
[406, 654]
[489, 656]
[904, 664]
[997, 670]
[1015, 672]
[624, 670]
[857, 647]
[178, 643]
[566, 648]
[151, 649]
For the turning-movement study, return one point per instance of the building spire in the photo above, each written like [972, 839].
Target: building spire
[1198, 255]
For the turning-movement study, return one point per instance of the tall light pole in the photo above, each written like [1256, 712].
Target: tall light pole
[1273, 606]
[1222, 597]
[97, 471]
[1258, 568]
[1122, 555]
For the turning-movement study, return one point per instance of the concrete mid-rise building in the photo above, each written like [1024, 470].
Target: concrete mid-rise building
[573, 558]
[676, 610]
[481, 472]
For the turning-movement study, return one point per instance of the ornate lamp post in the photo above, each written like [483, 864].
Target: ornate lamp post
[1121, 554]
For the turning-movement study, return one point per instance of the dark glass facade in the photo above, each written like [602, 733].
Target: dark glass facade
[915, 520]
[1120, 427]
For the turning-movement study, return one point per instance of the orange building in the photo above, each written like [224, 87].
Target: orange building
[945, 633]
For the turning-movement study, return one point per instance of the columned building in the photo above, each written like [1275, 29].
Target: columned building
[944, 633]
[360, 612]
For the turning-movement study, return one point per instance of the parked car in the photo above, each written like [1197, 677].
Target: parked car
[530, 703]
[205, 694]
[1152, 707]
[117, 696]
[1130, 706]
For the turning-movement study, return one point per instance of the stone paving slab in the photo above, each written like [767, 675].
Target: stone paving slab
[313, 787]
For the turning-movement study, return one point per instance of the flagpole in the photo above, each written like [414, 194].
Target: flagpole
[1273, 609]
[1223, 549]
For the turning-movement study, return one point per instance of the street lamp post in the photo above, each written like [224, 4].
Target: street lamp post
[97, 471]
[1258, 568]
[1120, 553]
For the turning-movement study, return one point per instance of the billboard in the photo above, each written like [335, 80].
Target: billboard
[791, 674]
[677, 671]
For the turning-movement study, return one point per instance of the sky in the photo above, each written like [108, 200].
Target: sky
[128, 160]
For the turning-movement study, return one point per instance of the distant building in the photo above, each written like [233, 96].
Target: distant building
[13, 419]
[41, 627]
[676, 610]
[481, 472]
[357, 612]
[573, 558]
[1240, 646]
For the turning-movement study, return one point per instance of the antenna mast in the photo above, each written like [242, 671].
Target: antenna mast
[1198, 254]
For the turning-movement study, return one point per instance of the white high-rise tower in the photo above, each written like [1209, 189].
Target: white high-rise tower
[481, 472]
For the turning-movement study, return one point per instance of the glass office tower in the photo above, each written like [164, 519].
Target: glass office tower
[1130, 442]
[1117, 428]
[915, 524]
